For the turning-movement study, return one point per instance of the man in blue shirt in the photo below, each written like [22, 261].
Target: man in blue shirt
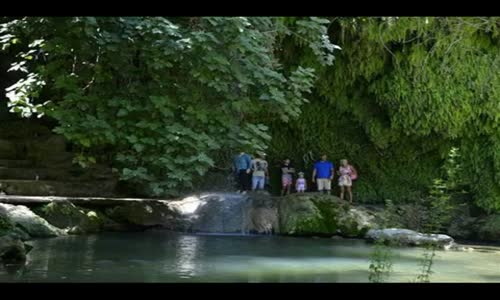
[323, 173]
[242, 167]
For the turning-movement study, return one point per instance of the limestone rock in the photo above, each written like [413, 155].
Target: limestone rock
[30, 222]
[408, 237]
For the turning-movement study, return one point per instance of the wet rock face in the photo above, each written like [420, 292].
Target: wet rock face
[263, 220]
[227, 213]
[213, 213]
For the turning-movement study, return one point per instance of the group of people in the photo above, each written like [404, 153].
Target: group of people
[253, 174]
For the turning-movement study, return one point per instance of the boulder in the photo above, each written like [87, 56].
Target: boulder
[76, 220]
[96, 221]
[30, 222]
[356, 222]
[406, 237]
[317, 214]
[12, 249]
[142, 213]
[62, 214]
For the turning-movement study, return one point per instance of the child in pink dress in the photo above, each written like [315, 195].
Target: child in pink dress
[301, 184]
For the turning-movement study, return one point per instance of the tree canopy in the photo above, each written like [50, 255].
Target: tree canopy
[170, 98]
[166, 96]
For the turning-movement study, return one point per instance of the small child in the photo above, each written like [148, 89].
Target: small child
[300, 185]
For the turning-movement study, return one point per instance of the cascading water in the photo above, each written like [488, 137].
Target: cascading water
[228, 213]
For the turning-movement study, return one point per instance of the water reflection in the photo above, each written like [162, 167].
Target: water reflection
[187, 247]
[168, 257]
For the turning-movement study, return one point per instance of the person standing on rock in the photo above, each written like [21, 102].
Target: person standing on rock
[242, 167]
[287, 171]
[323, 173]
[301, 184]
[347, 174]
[260, 172]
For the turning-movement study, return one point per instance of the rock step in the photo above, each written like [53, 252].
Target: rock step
[15, 163]
[60, 188]
[97, 201]
[30, 174]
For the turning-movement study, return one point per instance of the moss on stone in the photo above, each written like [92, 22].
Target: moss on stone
[61, 214]
[5, 225]
[315, 214]
[140, 213]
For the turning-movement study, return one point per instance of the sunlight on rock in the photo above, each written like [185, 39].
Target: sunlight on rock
[189, 205]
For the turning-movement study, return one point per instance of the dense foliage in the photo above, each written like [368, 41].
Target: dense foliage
[167, 98]
[170, 98]
[403, 93]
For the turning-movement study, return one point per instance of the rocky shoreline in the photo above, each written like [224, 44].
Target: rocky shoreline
[296, 215]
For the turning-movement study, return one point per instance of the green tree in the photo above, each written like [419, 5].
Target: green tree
[167, 98]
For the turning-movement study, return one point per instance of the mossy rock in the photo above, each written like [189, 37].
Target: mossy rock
[62, 214]
[308, 215]
[76, 220]
[6, 225]
[12, 249]
[30, 223]
[142, 214]
[317, 214]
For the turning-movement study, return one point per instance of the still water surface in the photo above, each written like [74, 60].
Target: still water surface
[161, 256]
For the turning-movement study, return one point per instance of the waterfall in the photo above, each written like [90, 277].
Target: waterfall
[228, 213]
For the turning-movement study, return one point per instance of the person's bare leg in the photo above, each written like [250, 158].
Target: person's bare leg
[350, 194]
[288, 189]
[342, 192]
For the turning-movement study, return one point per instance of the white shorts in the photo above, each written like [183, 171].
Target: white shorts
[324, 184]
